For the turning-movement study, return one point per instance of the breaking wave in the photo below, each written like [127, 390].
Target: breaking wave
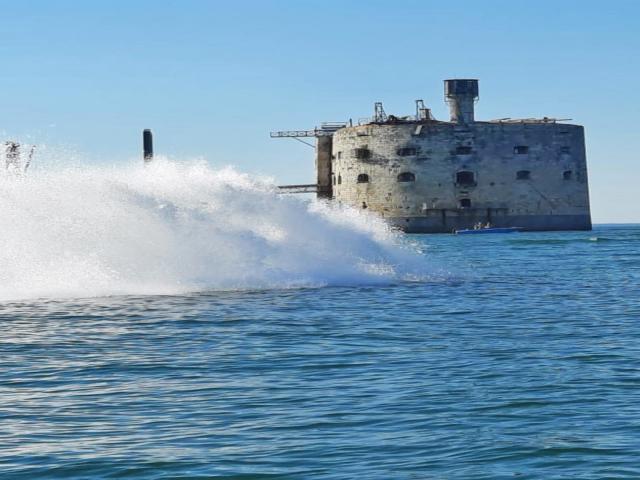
[172, 228]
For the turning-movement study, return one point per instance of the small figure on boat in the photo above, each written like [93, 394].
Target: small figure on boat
[480, 226]
[487, 228]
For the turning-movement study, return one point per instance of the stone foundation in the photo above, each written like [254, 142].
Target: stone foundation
[449, 223]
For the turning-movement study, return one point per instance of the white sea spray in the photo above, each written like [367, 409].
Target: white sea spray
[172, 228]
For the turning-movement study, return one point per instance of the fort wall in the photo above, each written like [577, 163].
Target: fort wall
[439, 176]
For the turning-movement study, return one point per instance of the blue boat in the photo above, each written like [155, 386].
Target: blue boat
[488, 230]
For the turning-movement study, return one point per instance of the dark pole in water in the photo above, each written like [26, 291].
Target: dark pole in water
[147, 145]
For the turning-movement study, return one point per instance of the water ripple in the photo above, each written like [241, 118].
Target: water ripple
[526, 366]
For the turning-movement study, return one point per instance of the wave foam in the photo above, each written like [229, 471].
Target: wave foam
[172, 228]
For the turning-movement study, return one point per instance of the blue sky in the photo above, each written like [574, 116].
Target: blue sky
[213, 78]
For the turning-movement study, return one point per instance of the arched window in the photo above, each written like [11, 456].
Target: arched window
[406, 177]
[566, 175]
[465, 203]
[339, 179]
[466, 178]
[523, 175]
[363, 178]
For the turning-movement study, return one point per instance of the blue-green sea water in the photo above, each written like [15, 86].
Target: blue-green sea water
[523, 362]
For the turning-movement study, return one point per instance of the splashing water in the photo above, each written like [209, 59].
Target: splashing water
[172, 228]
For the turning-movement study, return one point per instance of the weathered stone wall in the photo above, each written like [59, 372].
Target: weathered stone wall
[555, 196]
[323, 166]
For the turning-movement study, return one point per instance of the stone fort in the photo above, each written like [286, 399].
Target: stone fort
[427, 176]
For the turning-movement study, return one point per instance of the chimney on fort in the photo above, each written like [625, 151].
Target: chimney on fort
[461, 95]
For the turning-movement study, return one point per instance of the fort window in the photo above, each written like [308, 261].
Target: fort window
[406, 177]
[406, 152]
[462, 150]
[339, 155]
[333, 179]
[567, 174]
[465, 177]
[520, 149]
[523, 175]
[565, 150]
[363, 178]
[362, 153]
[465, 203]
[339, 179]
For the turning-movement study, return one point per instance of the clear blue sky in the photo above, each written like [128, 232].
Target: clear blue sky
[213, 78]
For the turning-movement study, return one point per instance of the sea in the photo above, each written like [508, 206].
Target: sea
[183, 322]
